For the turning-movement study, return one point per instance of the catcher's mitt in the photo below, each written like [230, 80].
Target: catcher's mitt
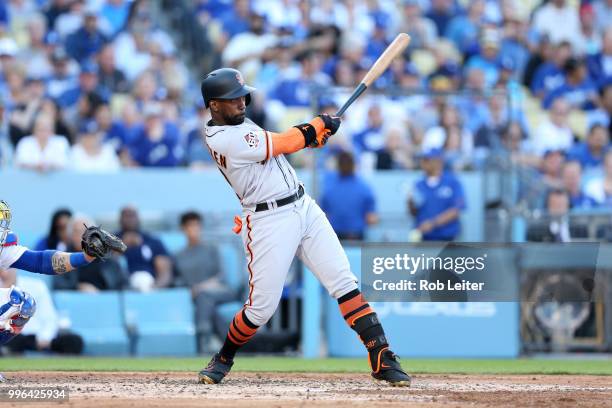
[99, 243]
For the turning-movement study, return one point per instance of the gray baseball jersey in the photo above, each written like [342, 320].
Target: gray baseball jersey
[243, 153]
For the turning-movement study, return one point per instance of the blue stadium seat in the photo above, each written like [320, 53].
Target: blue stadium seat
[162, 322]
[232, 258]
[174, 241]
[98, 318]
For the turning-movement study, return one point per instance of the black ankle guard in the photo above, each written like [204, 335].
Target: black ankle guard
[370, 332]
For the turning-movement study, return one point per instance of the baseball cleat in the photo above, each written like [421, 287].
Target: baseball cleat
[388, 369]
[216, 370]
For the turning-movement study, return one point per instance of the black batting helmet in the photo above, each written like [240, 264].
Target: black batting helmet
[225, 83]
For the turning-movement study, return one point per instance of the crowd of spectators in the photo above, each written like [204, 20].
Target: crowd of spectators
[99, 85]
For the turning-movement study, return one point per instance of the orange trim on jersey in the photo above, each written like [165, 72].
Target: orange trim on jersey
[242, 326]
[267, 146]
[351, 320]
[351, 304]
[249, 240]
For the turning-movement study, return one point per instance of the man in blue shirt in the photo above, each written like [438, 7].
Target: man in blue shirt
[577, 88]
[549, 75]
[591, 152]
[348, 201]
[156, 144]
[87, 40]
[571, 175]
[144, 253]
[437, 200]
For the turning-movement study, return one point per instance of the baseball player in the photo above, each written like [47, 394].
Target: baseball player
[281, 222]
[17, 306]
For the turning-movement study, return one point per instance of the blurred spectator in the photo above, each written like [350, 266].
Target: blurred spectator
[489, 134]
[37, 48]
[577, 88]
[43, 150]
[463, 29]
[602, 115]
[547, 18]
[114, 132]
[437, 200]
[600, 67]
[397, 151]
[156, 144]
[348, 200]
[236, 19]
[134, 46]
[603, 13]
[590, 39]
[85, 42]
[42, 333]
[451, 137]
[57, 238]
[600, 189]
[196, 153]
[422, 30]
[554, 132]
[441, 12]
[487, 59]
[148, 261]
[199, 266]
[514, 45]
[247, 49]
[54, 9]
[572, 183]
[591, 152]
[115, 12]
[90, 153]
[26, 106]
[371, 139]
[109, 76]
[549, 74]
[95, 276]
[550, 169]
[81, 101]
[63, 76]
[556, 226]
[71, 19]
[294, 92]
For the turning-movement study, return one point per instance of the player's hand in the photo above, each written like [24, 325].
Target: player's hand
[332, 123]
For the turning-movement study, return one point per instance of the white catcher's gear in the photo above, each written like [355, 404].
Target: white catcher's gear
[274, 236]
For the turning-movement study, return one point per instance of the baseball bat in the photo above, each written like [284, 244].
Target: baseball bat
[396, 47]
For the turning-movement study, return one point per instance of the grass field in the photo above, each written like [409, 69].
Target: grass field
[330, 365]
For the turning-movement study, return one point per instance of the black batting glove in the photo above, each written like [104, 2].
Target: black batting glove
[331, 122]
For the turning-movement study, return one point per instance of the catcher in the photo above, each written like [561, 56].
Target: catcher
[17, 306]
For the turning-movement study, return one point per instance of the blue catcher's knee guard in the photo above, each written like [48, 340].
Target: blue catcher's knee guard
[27, 307]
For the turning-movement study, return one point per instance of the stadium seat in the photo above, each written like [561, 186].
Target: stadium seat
[97, 318]
[161, 322]
[174, 241]
[232, 258]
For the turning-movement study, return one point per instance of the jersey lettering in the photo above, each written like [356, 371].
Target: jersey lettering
[219, 158]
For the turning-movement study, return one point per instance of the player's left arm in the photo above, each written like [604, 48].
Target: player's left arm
[312, 134]
[51, 262]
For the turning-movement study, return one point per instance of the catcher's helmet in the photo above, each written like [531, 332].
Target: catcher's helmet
[225, 83]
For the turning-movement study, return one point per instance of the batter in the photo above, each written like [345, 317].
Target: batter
[281, 221]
